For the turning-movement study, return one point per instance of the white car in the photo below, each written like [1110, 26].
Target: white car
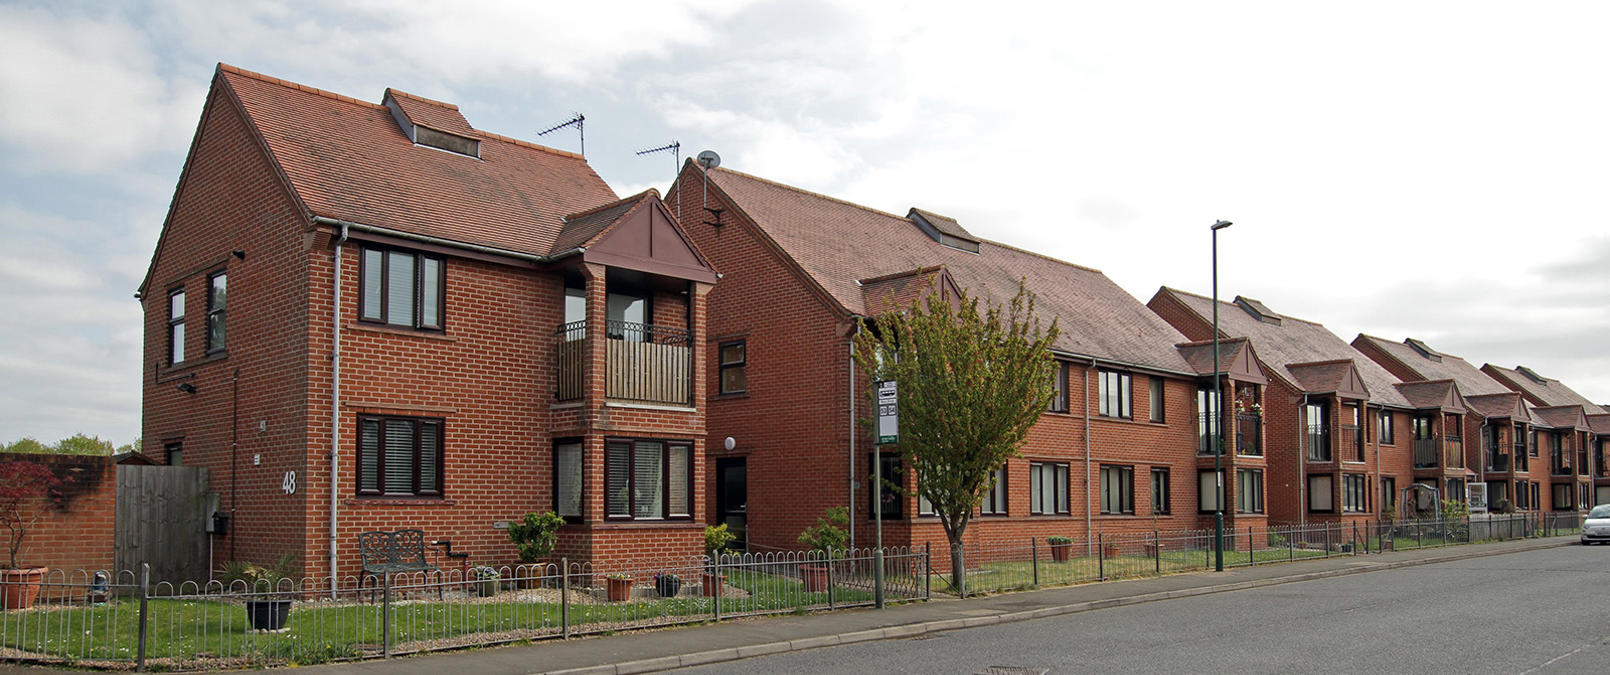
[1596, 527]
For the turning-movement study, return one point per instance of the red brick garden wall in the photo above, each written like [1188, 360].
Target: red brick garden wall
[75, 530]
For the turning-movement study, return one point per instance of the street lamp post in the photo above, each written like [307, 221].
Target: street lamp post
[1216, 401]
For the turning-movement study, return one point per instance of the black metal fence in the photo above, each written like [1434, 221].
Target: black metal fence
[115, 621]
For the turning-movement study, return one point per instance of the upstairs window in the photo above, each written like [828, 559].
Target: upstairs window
[1115, 394]
[1059, 388]
[734, 367]
[1156, 398]
[1385, 428]
[176, 327]
[399, 456]
[217, 299]
[400, 288]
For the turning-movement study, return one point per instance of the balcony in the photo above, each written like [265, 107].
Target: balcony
[1425, 453]
[1351, 440]
[1207, 434]
[1455, 447]
[1249, 434]
[1560, 463]
[1497, 462]
[643, 362]
[1318, 443]
[1582, 462]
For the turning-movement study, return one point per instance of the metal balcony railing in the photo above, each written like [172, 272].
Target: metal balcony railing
[643, 362]
[1249, 434]
[1497, 461]
[1207, 434]
[1318, 443]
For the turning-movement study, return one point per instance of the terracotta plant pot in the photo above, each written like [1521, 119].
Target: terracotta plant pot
[1109, 551]
[1059, 552]
[21, 587]
[620, 590]
[815, 578]
[712, 583]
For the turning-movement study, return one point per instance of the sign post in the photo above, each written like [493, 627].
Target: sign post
[888, 432]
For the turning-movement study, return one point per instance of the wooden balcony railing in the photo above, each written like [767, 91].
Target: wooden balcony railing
[643, 362]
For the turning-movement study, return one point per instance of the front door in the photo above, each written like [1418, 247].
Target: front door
[732, 499]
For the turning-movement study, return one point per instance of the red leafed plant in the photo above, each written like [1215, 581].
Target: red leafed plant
[25, 488]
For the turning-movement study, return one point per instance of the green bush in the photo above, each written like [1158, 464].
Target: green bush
[536, 535]
[828, 534]
[1058, 541]
[717, 538]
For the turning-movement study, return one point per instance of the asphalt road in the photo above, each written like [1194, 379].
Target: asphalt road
[1544, 611]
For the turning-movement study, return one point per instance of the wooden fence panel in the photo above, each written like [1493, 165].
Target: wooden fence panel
[161, 516]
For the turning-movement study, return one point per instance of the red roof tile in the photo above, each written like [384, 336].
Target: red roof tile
[430, 113]
[1550, 391]
[1292, 342]
[1439, 394]
[348, 159]
[838, 243]
[1470, 378]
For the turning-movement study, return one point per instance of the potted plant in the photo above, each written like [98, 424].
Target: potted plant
[534, 538]
[619, 586]
[1059, 548]
[266, 589]
[25, 488]
[485, 580]
[828, 539]
[716, 540]
[667, 584]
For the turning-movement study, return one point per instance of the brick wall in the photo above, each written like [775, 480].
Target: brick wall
[75, 528]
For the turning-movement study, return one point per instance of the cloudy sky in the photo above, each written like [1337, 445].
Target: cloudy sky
[1426, 169]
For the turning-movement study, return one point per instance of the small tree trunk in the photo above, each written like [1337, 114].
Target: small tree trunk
[958, 568]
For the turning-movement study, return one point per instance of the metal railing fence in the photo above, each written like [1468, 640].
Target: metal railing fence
[115, 621]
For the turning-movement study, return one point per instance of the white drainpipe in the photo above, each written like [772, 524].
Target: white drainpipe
[335, 402]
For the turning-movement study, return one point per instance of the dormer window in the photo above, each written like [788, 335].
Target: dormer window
[1257, 310]
[432, 124]
[1424, 350]
[944, 229]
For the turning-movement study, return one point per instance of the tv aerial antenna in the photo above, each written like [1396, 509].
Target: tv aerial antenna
[577, 120]
[675, 148]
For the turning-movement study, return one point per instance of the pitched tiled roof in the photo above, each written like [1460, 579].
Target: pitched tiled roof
[838, 243]
[1505, 404]
[1561, 416]
[1440, 394]
[1470, 378]
[901, 289]
[1600, 423]
[348, 159]
[1294, 341]
[581, 228]
[1550, 391]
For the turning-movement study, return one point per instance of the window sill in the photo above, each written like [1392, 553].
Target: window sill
[731, 396]
[440, 336]
[183, 366]
[671, 523]
[398, 501]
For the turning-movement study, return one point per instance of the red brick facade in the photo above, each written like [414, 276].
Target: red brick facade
[76, 523]
[262, 411]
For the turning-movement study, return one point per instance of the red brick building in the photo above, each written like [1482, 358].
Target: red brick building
[1115, 452]
[1500, 432]
[1338, 432]
[1579, 476]
[367, 316]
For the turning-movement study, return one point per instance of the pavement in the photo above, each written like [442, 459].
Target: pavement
[732, 639]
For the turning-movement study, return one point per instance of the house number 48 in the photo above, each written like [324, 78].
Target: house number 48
[289, 484]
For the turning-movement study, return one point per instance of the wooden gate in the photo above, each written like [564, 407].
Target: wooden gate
[161, 514]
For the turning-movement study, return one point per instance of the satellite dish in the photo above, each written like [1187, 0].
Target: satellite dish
[709, 159]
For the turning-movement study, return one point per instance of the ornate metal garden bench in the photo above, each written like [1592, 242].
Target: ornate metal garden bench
[388, 553]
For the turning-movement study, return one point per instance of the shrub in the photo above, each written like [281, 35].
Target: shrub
[1058, 541]
[828, 534]
[535, 535]
[716, 539]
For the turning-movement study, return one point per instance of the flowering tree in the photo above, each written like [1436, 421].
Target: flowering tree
[24, 490]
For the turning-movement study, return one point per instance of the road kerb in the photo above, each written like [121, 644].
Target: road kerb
[915, 629]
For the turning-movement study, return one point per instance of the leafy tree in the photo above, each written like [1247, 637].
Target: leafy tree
[82, 444]
[25, 489]
[28, 446]
[971, 384]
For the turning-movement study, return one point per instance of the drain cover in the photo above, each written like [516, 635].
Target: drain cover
[1013, 670]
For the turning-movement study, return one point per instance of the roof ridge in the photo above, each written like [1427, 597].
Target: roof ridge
[1447, 380]
[1232, 304]
[1204, 343]
[611, 205]
[224, 67]
[811, 193]
[422, 99]
[529, 144]
[1042, 256]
